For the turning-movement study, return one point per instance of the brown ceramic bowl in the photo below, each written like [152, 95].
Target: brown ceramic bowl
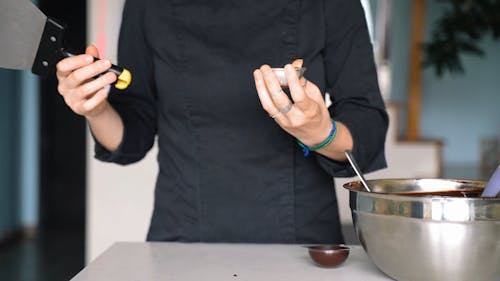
[328, 255]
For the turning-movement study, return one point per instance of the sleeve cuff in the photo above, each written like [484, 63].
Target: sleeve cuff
[370, 156]
[124, 152]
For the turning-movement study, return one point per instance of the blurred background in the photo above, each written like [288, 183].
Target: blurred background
[438, 64]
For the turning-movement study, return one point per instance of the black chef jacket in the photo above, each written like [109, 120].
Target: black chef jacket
[228, 172]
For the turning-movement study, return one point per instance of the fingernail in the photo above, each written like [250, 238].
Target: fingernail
[107, 88]
[89, 58]
[289, 68]
[106, 63]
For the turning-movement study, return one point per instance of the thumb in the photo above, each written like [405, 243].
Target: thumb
[92, 50]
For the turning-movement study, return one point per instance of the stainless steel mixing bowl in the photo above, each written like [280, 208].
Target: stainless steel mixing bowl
[428, 236]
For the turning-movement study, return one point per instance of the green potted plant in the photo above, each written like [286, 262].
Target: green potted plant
[459, 31]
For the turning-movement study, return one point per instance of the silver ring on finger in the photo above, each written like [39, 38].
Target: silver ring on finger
[285, 109]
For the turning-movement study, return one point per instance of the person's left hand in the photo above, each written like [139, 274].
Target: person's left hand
[306, 117]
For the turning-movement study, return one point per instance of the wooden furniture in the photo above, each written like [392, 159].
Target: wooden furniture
[415, 76]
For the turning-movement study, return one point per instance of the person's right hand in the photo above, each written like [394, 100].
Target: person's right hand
[82, 92]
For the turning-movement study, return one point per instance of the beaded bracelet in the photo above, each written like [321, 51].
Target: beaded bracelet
[326, 142]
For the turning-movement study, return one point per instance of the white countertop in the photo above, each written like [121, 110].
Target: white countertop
[130, 261]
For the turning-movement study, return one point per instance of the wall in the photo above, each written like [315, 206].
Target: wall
[462, 109]
[29, 142]
[399, 54]
[9, 212]
[459, 109]
[19, 141]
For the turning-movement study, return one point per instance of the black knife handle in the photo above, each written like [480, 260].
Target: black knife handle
[50, 52]
[124, 77]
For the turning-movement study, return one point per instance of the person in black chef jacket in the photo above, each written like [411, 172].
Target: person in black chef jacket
[240, 159]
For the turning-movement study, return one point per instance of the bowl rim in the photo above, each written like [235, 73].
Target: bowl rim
[357, 187]
[425, 207]
[328, 248]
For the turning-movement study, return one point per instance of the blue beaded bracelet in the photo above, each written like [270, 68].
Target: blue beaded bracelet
[326, 142]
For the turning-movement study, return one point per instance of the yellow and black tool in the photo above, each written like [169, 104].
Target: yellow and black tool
[31, 40]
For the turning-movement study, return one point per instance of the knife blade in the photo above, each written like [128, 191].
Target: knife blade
[29, 40]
